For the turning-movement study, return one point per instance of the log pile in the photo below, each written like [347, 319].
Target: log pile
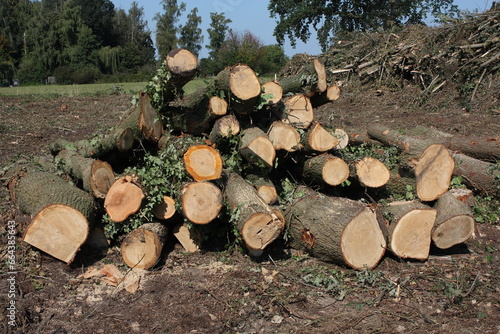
[231, 157]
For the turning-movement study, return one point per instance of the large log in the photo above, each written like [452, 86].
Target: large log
[454, 222]
[298, 111]
[203, 162]
[96, 176]
[284, 136]
[336, 229]
[274, 91]
[311, 79]
[58, 230]
[410, 228]
[242, 87]
[325, 169]
[258, 223]
[372, 173]
[142, 247]
[182, 66]
[124, 198]
[256, 147]
[318, 139]
[149, 120]
[433, 172]
[201, 202]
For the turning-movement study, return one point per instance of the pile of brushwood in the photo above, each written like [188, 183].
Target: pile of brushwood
[244, 161]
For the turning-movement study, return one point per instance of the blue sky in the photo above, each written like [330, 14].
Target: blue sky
[251, 15]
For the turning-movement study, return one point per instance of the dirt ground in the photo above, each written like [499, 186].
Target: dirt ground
[226, 291]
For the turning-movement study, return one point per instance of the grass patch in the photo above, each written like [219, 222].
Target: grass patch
[74, 90]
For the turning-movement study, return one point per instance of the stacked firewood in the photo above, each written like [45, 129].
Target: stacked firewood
[236, 141]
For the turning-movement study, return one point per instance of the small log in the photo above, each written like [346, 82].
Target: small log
[97, 176]
[454, 222]
[165, 209]
[203, 163]
[298, 111]
[201, 202]
[318, 139]
[325, 169]
[359, 137]
[274, 89]
[284, 136]
[265, 188]
[433, 172]
[149, 121]
[241, 86]
[372, 173]
[410, 228]
[336, 229]
[182, 66]
[342, 137]
[217, 106]
[258, 223]
[256, 147]
[332, 93]
[124, 198]
[224, 127]
[312, 78]
[59, 230]
[142, 247]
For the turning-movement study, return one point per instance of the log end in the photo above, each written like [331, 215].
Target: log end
[261, 229]
[124, 198]
[141, 249]
[203, 163]
[372, 172]
[454, 231]
[201, 202]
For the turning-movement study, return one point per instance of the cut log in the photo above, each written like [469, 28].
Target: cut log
[124, 198]
[96, 176]
[149, 121]
[258, 223]
[318, 139]
[361, 137]
[201, 202]
[59, 230]
[298, 111]
[312, 78]
[265, 188]
[410, 228]
[188, 238]
[182, 65]
[284, 136]
[342, 137]
[224, 127]
[325, 169]
[372, 173]
[336, 229]
[332, 93]
[203, 163]
[454, 222]
[165, 209]
[274, 90]
[33, 190]
[256, 147]
[142, 247]
[217, 106]
[433, 172]
[241, 86]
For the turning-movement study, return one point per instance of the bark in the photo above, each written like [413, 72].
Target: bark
[203, 163]
[256, 147]
[284, 136]
[242, 87]
[183, 66]
[142, 247]
[201, 202]
[124, 198]
[96, 176]
[325, 169]
[454, 222]
[410, 228]
[312, 78]
[149, 121]
[258, 223]
[59, 230]
[336, 230]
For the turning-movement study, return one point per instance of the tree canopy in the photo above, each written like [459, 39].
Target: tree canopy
[328, 17]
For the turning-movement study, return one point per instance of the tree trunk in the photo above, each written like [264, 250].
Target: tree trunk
[258, 223]
[332, 93]
[256, 147]
[97, 176]
[410, 228]
[241, 86]
[223, 128]
[433, 172]
[284, 136]
[203, 163]
[336, 230]
[201, 202]
[59, 230]
[298, 111]
[325, 169]
[182, 65]
[124, 198]
[149, 121]
[274, 90]
[372, 173]
[454, 222]
[142, 247]
[318, 139]
[312, 78]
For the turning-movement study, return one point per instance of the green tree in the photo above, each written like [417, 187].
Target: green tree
[166, 26]
[217, 32]
[98, 16]
[328, 17]
[191, 34]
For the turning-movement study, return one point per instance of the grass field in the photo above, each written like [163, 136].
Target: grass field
[91, 89]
